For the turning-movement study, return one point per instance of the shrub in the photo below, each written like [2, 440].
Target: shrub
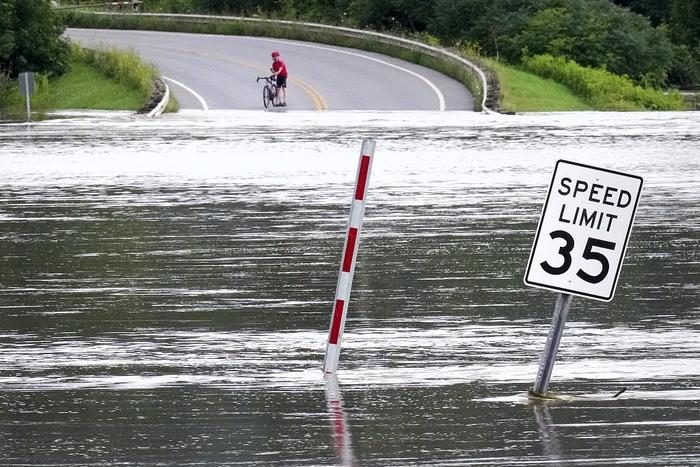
[602, 89]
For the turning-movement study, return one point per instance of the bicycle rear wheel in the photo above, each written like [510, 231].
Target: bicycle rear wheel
[267, 96]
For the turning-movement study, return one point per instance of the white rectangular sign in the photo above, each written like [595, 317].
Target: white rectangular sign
[26, 83]
[583, 232]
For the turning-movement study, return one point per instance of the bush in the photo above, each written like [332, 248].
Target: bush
[602, 89]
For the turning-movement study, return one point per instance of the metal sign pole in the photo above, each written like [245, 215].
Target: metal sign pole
[561, 312]
[26, 86]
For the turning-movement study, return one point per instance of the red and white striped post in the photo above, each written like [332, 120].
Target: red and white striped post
[348, 261]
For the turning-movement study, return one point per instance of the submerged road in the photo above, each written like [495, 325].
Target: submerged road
[218, 72]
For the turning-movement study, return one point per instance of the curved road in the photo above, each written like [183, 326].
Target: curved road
[218, 72]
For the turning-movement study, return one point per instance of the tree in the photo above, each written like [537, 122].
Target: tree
[30, 38]
[656, 10]
[595, 33]
[7, 42]
[685, 22]
[684, 28]
[411, 15]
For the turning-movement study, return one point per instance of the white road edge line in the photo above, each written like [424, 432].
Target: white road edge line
[191, 91]
[441, 98]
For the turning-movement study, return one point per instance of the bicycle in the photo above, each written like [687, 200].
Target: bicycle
[270, 91]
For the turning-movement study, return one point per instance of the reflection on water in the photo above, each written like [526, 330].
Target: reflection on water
[551, 447]
[340, 428]
[167, 286]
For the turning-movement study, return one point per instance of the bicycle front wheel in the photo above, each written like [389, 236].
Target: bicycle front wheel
[267, 96]
[274, 94]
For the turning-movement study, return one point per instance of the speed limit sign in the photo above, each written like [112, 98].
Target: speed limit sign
[584, 229]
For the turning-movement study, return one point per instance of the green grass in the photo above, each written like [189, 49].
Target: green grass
[98, 79]
[86, 88]
[602, 89]
[526, 92]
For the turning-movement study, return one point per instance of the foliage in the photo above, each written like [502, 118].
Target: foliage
[124, 67]
[320, 10]
[656, 10]
[30, 38]
[594, 33]
[684, 27]
[651, 41]
[410, 15]
[6, 31]
[602, 89]
[680, 19]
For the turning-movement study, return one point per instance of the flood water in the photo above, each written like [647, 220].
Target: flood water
[167, 288]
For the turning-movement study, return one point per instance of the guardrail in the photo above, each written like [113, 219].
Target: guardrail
[119, 4]
[409, 44]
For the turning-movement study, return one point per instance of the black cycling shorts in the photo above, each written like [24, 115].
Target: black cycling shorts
[281, 81]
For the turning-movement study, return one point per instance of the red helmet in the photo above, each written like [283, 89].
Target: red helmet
[275, 54]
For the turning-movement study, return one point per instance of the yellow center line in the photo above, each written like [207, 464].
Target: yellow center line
[319, 102]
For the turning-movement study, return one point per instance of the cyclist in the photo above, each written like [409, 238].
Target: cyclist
[279, 69]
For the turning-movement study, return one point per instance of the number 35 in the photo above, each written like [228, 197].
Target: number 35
[588, 253]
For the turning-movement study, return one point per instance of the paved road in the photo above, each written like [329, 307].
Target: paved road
[218, 72]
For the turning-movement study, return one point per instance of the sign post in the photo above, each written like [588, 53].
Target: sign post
[580, 242]
[26, 88]
[561, 312]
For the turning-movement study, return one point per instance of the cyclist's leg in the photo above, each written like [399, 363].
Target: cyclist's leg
[282, 86]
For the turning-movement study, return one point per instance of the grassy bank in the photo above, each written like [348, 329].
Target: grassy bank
[126, 72]
[84, 87]
[98, 79]
[526, 92]
[602, 89]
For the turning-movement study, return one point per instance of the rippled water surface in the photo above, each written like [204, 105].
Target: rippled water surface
[167, 288]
